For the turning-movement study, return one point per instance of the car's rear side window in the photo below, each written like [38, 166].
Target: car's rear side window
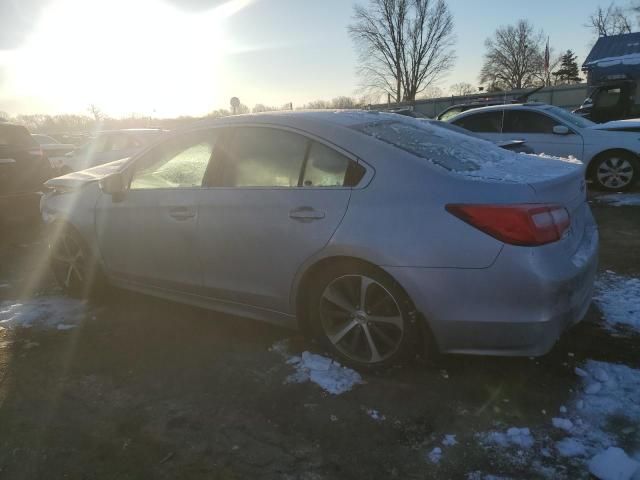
[16, 135]
[523, 121]
[327, 168]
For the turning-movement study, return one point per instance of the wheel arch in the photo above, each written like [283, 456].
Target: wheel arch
[302, 291]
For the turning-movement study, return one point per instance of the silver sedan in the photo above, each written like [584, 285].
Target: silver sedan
[367, 231]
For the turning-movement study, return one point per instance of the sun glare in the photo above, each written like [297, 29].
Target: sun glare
[144, 57]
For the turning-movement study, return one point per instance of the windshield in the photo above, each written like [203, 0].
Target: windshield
[572, 118]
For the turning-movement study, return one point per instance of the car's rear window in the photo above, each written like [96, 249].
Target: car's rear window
[450, 150]
[16, 135]
[466, 155]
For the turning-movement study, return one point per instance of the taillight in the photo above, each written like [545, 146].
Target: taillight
[518, 224]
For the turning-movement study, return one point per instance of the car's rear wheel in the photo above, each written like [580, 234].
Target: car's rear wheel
[362, 315]
[76, 269]
[616, 171]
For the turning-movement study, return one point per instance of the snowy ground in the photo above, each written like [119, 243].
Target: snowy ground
[620, 199]
[47, 312]
[618, 297]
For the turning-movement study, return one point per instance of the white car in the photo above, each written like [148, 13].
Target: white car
[106, 147]
[610, 149]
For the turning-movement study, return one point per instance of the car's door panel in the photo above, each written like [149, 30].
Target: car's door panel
[536, 129]
[252, 239]
[149, 235]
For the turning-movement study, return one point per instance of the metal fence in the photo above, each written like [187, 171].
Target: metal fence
[565, 96]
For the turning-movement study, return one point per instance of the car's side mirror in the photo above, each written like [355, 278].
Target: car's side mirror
[561, 130]
[114, 185]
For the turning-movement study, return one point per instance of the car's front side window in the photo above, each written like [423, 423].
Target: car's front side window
[264, 157]
[179, 162]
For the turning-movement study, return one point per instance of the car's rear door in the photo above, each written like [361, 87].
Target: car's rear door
[275, 200]
[536, 129]
[149, 235]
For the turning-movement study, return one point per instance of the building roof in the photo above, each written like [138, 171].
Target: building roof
[613, 46]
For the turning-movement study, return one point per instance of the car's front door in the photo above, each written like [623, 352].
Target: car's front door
[277, 199]
[537, 130]
[149, 235]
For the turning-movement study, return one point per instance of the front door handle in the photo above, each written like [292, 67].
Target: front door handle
[306, 214]
[182, 213]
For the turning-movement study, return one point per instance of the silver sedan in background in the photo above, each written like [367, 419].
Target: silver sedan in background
[365, 230]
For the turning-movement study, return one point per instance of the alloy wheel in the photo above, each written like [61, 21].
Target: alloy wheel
[69, 261]
[361, 318]
[615, 172]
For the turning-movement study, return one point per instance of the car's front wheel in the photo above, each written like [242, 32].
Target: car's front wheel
[74, 266]
[616, 171]
[362, 315]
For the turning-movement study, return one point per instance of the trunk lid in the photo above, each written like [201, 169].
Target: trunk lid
[569, 191]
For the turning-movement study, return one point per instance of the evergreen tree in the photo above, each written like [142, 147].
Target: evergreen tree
[568, 71]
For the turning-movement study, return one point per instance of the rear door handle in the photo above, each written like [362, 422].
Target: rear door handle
[182, 213]
[306, 214]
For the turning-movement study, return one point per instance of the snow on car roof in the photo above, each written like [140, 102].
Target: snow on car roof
[465, 155]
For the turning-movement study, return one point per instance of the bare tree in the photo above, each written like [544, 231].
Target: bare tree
[96, 112]
[259, 108]
[403, 46]
[610, 21]
[514, 57]
[344, 102]
[461, 89]
[432, 91]
[317, 105]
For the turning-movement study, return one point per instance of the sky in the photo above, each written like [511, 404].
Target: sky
[168, 58]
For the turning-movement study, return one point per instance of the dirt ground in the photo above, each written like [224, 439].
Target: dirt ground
[145, 388]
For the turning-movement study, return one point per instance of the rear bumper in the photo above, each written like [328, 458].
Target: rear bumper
[517, 307]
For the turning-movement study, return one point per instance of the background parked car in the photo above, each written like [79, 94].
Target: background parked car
[105, 147]
[610, 150]
[23, 169]
[52, 148]
[518, 146]
[310, 220]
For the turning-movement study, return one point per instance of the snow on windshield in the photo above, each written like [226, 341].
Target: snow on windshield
[464, 154]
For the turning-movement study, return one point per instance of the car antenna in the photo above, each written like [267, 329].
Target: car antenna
[524, 98]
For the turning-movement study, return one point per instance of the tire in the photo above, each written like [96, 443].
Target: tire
[380, 333]
[75, 268]
[615, 171]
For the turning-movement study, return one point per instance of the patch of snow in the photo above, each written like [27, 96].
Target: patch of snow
[4, 285]
[42, 312]
[324, 372]
[563, 409]
[570, 447]
[629, 59]
[613, 464]
[482, 476]
[520, 437]
[562, 423]
[435, 455]
[449, 440]
[376, 415]
[620, 199]
[618, 297]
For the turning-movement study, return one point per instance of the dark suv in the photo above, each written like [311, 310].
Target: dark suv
[23, 169]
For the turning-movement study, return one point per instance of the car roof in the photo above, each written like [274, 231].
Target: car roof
[508, 106]
[131, 130]
[307, 118]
